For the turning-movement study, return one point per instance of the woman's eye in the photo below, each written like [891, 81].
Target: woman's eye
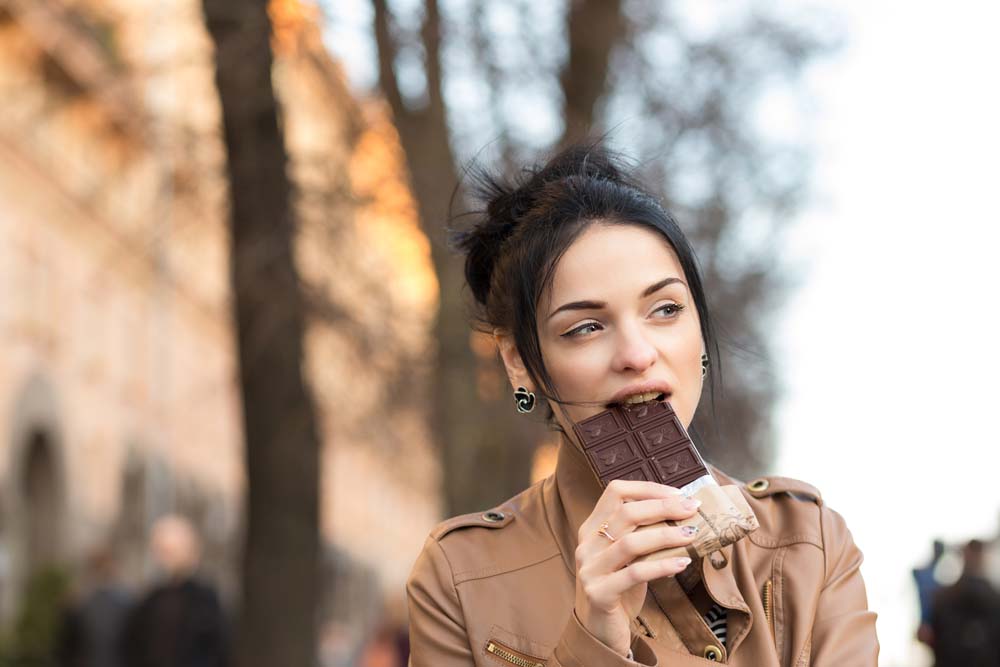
[587, 328]
[670, 308]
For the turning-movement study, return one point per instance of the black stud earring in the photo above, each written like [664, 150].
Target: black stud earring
[704, 366]
[525, 400]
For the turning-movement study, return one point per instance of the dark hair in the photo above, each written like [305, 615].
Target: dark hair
[528, 222]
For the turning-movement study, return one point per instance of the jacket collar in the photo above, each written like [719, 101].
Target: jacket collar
[574, 494]
[572, 497]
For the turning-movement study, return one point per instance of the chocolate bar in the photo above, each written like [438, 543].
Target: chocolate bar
[640, 442]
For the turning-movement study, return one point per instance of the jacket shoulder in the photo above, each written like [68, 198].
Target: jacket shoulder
[788, 510]
[494, 519]
[771, 485]
[510, 536]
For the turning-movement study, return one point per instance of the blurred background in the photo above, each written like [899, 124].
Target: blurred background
[237, 371]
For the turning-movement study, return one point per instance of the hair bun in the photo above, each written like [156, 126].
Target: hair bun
[481, 242]
[505, 202]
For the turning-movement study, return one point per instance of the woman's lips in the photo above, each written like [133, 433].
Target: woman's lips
[647, 391]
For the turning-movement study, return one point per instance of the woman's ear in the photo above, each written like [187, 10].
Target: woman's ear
[516, 372]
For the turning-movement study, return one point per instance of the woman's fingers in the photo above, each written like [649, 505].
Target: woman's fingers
[627, 517]
[619, 492]
[630, 516]
[633, 545]
[606, 564]
[606, 592]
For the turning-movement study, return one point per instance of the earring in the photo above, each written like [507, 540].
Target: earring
[525, 400]
[704, 365]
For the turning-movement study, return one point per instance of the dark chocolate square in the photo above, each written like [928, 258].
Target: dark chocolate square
[638, 471]
[615, 453]
[646, 412]
[661, 435]
[600, 427]
[671, 464]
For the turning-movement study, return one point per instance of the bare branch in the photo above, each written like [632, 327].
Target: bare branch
[387, 52]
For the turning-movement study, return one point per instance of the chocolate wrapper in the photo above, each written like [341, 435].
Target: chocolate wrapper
[723, 519]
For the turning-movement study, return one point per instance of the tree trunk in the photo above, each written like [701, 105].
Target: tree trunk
[277, 624]
[476, 434]
[486, 446]
[594, 27]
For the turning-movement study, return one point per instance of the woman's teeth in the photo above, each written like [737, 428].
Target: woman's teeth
[642, 398]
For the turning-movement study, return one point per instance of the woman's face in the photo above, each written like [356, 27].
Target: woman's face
[619, 323]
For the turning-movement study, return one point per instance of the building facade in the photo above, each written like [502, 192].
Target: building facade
[118, 383]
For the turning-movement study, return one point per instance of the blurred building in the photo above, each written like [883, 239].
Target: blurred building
[118, 394]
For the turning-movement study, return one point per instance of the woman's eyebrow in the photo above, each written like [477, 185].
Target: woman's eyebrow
[655, 287]
[577, 305]
[597, 305]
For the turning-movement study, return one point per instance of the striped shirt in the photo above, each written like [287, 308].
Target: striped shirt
[716, 619]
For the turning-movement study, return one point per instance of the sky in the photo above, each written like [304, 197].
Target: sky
[889, 349]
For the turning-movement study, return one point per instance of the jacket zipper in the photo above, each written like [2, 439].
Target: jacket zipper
[769, 606]
[512, 656]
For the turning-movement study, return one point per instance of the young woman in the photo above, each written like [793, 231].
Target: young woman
[594, 297]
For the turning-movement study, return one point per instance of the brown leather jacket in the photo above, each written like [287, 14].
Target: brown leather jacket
[498, 588]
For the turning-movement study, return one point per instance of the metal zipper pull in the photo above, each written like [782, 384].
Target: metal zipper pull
[768, 599]
[512, 656]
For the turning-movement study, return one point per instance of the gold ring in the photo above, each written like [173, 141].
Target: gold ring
[603, 531]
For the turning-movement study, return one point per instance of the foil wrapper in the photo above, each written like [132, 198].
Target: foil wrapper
[724, 518]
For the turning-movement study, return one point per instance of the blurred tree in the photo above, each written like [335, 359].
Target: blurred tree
[467, 391]
[594, 30]
[689, 92]
[37, 624]
[281, 549]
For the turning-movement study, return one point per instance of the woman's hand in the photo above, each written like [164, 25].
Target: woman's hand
[610, 588]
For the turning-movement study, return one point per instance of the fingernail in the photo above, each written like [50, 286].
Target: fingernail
[688, 531]
[691, 504]
[682, 562]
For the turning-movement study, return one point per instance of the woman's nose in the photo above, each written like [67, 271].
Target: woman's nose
[635, 352]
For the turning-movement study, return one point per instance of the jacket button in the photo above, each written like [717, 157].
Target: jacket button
[759, 485]
[713, 653]
[493, 517]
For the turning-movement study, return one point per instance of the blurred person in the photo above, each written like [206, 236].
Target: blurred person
[92, 628]
[993, 558]
[395, 618]
[179, 622]
[594, 298]
[927, 584]
[403, 645]
[965, 617]
[382, 649]
[336, 647]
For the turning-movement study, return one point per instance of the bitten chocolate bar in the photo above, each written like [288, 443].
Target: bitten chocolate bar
[641, 442]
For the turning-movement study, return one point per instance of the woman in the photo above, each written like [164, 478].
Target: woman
[594, 298]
